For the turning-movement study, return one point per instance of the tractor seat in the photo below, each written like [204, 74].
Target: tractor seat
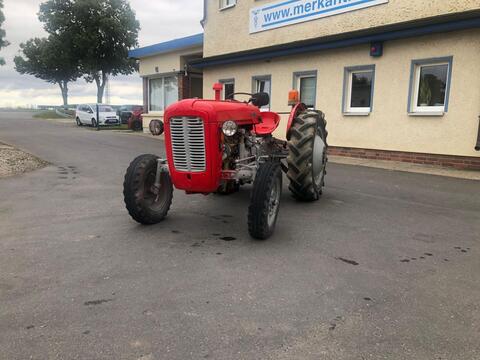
[270, 121]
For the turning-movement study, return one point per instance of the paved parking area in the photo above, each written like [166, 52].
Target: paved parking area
[385, 266]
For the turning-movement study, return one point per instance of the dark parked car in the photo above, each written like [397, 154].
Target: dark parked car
[125, 112]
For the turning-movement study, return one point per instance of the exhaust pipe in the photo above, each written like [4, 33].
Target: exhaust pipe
[218, 87]
[477, 147]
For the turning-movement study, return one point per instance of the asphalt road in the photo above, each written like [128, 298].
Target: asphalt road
[385, 266]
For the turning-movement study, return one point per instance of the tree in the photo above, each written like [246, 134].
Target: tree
[49, 59]
[102, 32]
[3, 42]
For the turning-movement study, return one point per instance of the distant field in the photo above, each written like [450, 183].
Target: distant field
[16, 110]
[115, 127]
[47, 114]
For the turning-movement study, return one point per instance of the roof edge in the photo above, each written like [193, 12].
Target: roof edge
[167, 46]
[385, 33]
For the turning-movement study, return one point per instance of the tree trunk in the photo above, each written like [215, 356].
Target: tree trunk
[100, 85]
[64, 88]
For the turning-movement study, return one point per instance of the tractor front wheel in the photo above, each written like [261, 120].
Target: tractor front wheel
[145, 203]
[307, 155]
[265, 200]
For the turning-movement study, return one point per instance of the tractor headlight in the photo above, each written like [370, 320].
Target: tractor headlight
[229, 128]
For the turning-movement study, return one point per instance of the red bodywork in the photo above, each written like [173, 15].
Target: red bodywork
[214, 113]
[136, 117]
[296, 110]
[270, 121]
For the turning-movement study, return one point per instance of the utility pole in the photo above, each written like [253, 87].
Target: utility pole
[477, 146]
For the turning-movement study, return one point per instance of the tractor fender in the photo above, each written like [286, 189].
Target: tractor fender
[296, 110]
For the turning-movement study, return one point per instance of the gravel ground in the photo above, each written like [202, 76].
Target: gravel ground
[14, 161]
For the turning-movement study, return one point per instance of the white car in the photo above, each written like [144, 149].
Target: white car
[86, 114]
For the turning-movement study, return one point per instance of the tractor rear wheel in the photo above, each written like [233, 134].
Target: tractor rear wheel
[146, 204]
[137, 126]
[265, 200]
[307, 155]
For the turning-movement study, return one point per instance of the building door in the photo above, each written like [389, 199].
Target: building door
[196, 86]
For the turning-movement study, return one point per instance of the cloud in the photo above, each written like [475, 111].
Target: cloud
[160, 20]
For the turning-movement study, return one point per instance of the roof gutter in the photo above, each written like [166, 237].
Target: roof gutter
[168, 46]
[204, 20]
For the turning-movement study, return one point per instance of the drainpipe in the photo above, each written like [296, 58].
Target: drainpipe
[204, 20]
[477, 147]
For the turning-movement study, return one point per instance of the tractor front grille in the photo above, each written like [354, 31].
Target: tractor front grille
[188, 143]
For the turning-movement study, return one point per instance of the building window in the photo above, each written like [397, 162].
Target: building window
[225, 4]
[163, 92]
[306, 84]
[228, 89]
[263, 84]
[430, 85]
[358, 89]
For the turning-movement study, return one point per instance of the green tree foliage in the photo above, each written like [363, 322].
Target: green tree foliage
[49, 59]
[3, 42]
[101, 31]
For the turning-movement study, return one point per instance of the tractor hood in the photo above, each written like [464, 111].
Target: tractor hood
[213, 111]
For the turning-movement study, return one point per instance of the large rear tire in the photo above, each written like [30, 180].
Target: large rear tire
[307, 158]
[265, 200]
[137, 126]
[144, 203]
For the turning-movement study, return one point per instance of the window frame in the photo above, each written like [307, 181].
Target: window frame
[298, 75]
[347, 109]
[224, 82]
[255, 80]
[413, 93]
[223, 4]
[156, 77]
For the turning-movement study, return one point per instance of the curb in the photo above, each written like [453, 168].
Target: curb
[407, 167]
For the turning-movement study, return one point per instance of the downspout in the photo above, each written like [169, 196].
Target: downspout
[202, 22]
[477, 147]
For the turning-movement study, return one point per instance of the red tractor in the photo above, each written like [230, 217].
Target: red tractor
[215, 146]
[135, 121]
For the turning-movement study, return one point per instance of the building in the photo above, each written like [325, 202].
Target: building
[397, 79]
[166, 74]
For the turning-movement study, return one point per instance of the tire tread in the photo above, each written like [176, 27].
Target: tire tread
[300, 145]
[259, 200]
[132, 186]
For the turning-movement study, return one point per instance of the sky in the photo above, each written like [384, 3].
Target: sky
[160, 20]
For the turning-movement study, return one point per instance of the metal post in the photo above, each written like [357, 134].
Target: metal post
[98, 118]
